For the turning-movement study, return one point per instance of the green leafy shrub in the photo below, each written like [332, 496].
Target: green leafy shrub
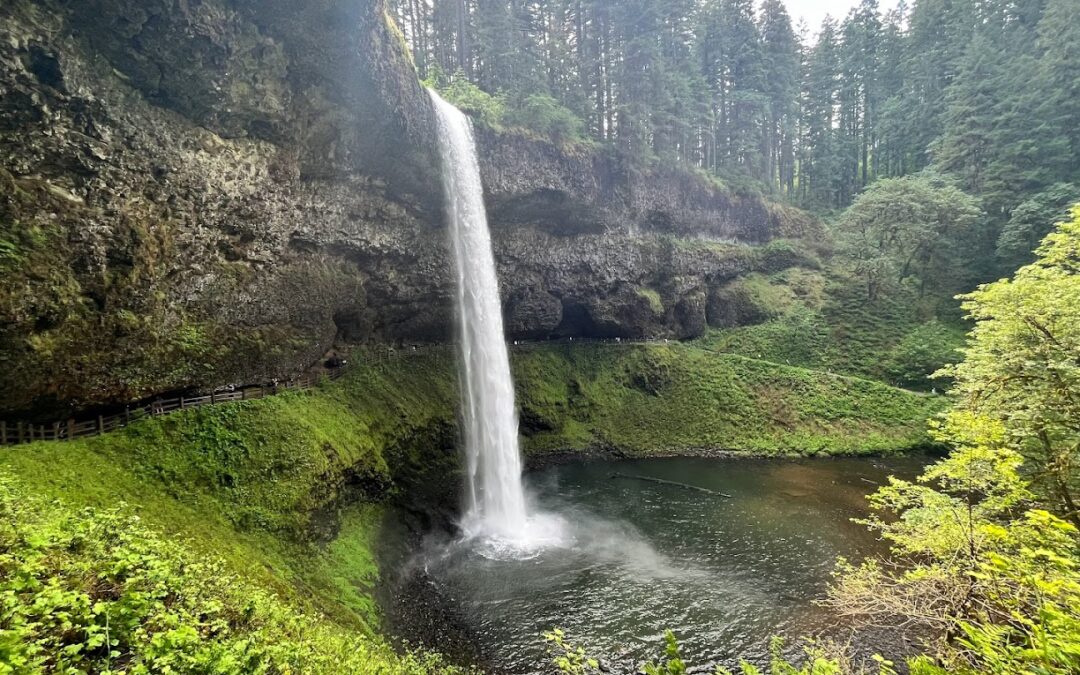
[543, 115]
[819, 660]
[97, 591]
[781, 254]
[922, 352]
[992, 579]
[471, 99]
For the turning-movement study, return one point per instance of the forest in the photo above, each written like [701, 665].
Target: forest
[983, 91]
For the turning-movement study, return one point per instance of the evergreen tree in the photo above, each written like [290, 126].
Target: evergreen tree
[822, 161]
[939, 34]
[780, 59]
[985, 90]
[1059, 37]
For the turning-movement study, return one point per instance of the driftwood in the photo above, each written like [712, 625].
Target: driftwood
[671, 482]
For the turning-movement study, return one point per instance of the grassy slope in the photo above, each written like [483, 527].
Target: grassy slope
[287, 490]
[839, 331]
[645, 399]
[252, 481]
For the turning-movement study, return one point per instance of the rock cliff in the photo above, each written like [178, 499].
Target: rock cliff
[195, 193]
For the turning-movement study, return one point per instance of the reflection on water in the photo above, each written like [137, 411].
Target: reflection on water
[638, 557]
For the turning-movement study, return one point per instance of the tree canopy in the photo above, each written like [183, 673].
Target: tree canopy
[983, 89]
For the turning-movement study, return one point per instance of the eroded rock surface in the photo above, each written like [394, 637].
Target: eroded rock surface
[199, 193]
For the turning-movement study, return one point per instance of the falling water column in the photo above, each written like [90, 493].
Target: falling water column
[496, 497]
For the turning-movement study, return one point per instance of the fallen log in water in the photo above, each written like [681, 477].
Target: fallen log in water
[671, 482]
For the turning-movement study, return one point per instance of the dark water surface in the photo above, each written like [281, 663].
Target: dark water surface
[724, 574]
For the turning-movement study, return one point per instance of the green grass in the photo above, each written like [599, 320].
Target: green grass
[649, 399]
[825, 323]
[263, 483]
[289, 492]
[97, 590]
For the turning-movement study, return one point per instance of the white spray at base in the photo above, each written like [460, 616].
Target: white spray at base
[497, 512]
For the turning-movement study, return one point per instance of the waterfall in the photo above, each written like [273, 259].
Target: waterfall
[496, 505]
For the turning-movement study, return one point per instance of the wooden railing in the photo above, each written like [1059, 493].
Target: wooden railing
[13, 433]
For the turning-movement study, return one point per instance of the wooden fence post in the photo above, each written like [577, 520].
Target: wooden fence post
[21, 439]
[56, 431]
[127, 416]
[212, 399]
[71, 428]
[3, 432]
[100, 425]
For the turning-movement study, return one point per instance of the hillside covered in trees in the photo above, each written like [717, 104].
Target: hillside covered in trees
[983, 90]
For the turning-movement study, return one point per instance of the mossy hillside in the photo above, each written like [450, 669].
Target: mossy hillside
[97, 590]
[266, 484]
[828, 325]
[669, 398]
[288, 491]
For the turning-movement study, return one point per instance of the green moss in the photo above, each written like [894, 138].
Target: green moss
[260, 482]
[782, 254]
[288, 491]
[825, 323]
[656, 304]
[120, 333]
[647, 399]
[92, 590]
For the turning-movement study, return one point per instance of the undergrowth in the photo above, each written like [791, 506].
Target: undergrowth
[649, 399]
[896, 339]
[260, 517]
[88, 590]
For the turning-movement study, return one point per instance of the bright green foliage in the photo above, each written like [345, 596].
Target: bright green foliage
[994, 581]
[914, 228]
[922, 352]
[261, 484]
[649, 399]
[1021, 368]
[98, 591]
[819, 660]
[567, 658]
[672, 664]
[998, 593]
[470, 98]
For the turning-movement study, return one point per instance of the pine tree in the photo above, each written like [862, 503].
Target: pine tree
[940, 32]
[969, 121]
[822, 160]
[780, 59]
[1059, 37]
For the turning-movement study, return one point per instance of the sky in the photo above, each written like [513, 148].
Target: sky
[813, 11]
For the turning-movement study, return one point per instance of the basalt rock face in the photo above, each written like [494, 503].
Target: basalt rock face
[195, 193]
